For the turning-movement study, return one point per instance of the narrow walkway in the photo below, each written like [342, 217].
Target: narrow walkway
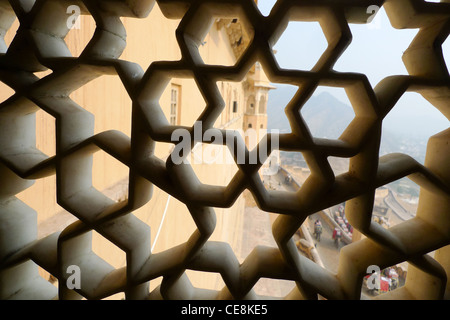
[328, 252]
[396, 207]
[326, 247]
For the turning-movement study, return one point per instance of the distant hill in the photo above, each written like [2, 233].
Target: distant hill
[327, 117]
[278, 99]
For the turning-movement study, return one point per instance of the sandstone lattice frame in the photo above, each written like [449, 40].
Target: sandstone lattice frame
[39, 45]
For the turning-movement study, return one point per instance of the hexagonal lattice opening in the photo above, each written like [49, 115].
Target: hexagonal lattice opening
[114, 186]
[182, 102]
[207, 159]
[162, 96]
[328, 113]
[408, 126]
[306, 43]
[101, 87]
[36, 138]
[293, 174]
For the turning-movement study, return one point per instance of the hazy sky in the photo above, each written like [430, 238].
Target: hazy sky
[376, 51]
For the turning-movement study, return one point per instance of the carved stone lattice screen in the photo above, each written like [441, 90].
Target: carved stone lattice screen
[39, 45]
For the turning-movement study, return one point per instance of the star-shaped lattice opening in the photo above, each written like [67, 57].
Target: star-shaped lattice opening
[23, 111]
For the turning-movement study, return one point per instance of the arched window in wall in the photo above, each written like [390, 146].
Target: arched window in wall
[262, 105]
[251, 105]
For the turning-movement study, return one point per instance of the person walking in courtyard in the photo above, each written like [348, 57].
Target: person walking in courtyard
[317, 229]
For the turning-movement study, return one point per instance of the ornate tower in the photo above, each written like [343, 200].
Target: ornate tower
[256, 96]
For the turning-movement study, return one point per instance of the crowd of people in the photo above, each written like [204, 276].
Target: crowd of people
[341, 220]
[344, 227]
